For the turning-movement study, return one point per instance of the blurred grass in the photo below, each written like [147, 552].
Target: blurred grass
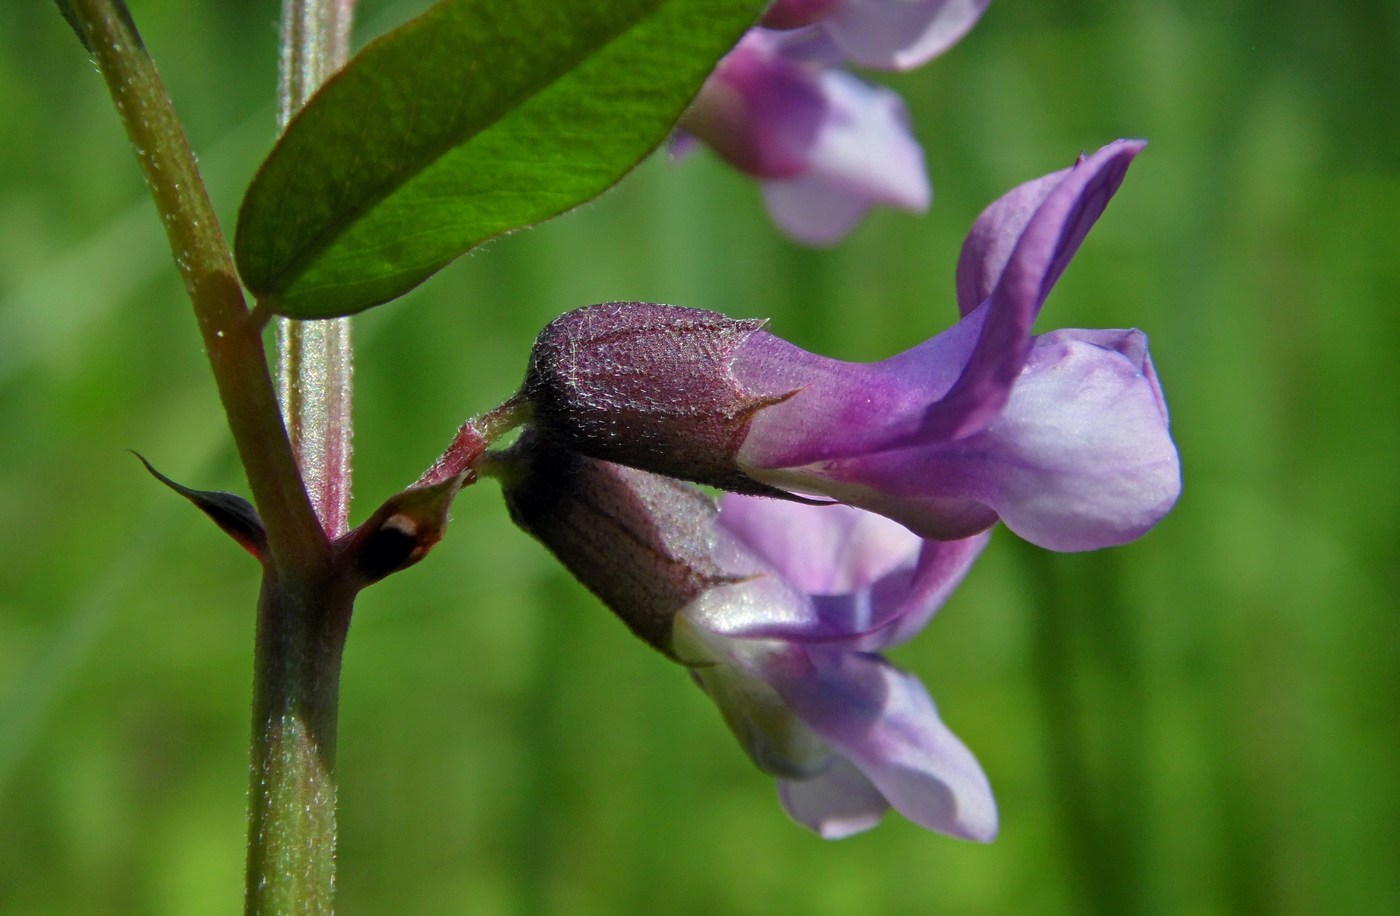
[1202, 722]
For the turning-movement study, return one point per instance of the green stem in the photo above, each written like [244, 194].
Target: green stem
[291, 817]
[315, 358]
[304, 608]
[231, 337]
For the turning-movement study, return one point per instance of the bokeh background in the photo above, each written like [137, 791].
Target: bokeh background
[1201, 722]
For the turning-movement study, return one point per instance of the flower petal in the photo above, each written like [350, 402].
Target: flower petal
[1087, 458]
[836, 409]
[872, 583]
[837, 803]
[941, 568]
[777, 741]
[760, 111]
[860, 155]
[899, 34]
[1043, 248]
[1080, 458]
[821, 550]
[884, 722]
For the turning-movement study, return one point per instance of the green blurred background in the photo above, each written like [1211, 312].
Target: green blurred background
[1201, 722]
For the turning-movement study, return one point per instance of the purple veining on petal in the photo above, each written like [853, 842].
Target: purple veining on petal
[870, 583]
[841, 409]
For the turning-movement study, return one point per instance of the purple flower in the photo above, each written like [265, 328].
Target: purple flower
[777, 609]
[879, 34]
[1063, 436]
[826, 146]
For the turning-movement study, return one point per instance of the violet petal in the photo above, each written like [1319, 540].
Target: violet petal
[899, 34]
[860, 155]
[1080, 457]
[1043, 249]
[837, 803]
[884, 722]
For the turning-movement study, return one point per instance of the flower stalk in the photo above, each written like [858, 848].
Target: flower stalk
[315, 359]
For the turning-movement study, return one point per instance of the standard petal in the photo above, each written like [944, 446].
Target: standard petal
[899, 34]
[993, 237]
[884, 722]
[1043, 249]
[836, 803]
[861, 155]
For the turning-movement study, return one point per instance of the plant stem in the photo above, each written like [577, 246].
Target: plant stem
[302, 625]
[304, 606]
[231, 338]
[315, 362]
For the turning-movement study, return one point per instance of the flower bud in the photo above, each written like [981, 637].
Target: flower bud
[647, 386]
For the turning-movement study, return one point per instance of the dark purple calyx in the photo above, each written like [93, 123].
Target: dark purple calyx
[642, 543]
[648, 386]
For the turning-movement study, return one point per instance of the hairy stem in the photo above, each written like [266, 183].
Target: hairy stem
[302, 624]
[231, 337]
[304, 607]
[315, 359]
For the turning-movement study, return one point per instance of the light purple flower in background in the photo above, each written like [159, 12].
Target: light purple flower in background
[898, 34]
[1063, 436]
[826, 146]
[777, 609]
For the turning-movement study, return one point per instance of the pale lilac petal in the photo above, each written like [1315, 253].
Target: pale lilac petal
[900, 34]
[1042, 251]
[861, 155]
[821, 550]
[871, 581]
[1080, 457]
[1084, 441]
[884, 722]
[838, 803]
[756, 604]
[777, 741]
[760, 604]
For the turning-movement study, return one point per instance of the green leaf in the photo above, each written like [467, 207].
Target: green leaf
[476, 118]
